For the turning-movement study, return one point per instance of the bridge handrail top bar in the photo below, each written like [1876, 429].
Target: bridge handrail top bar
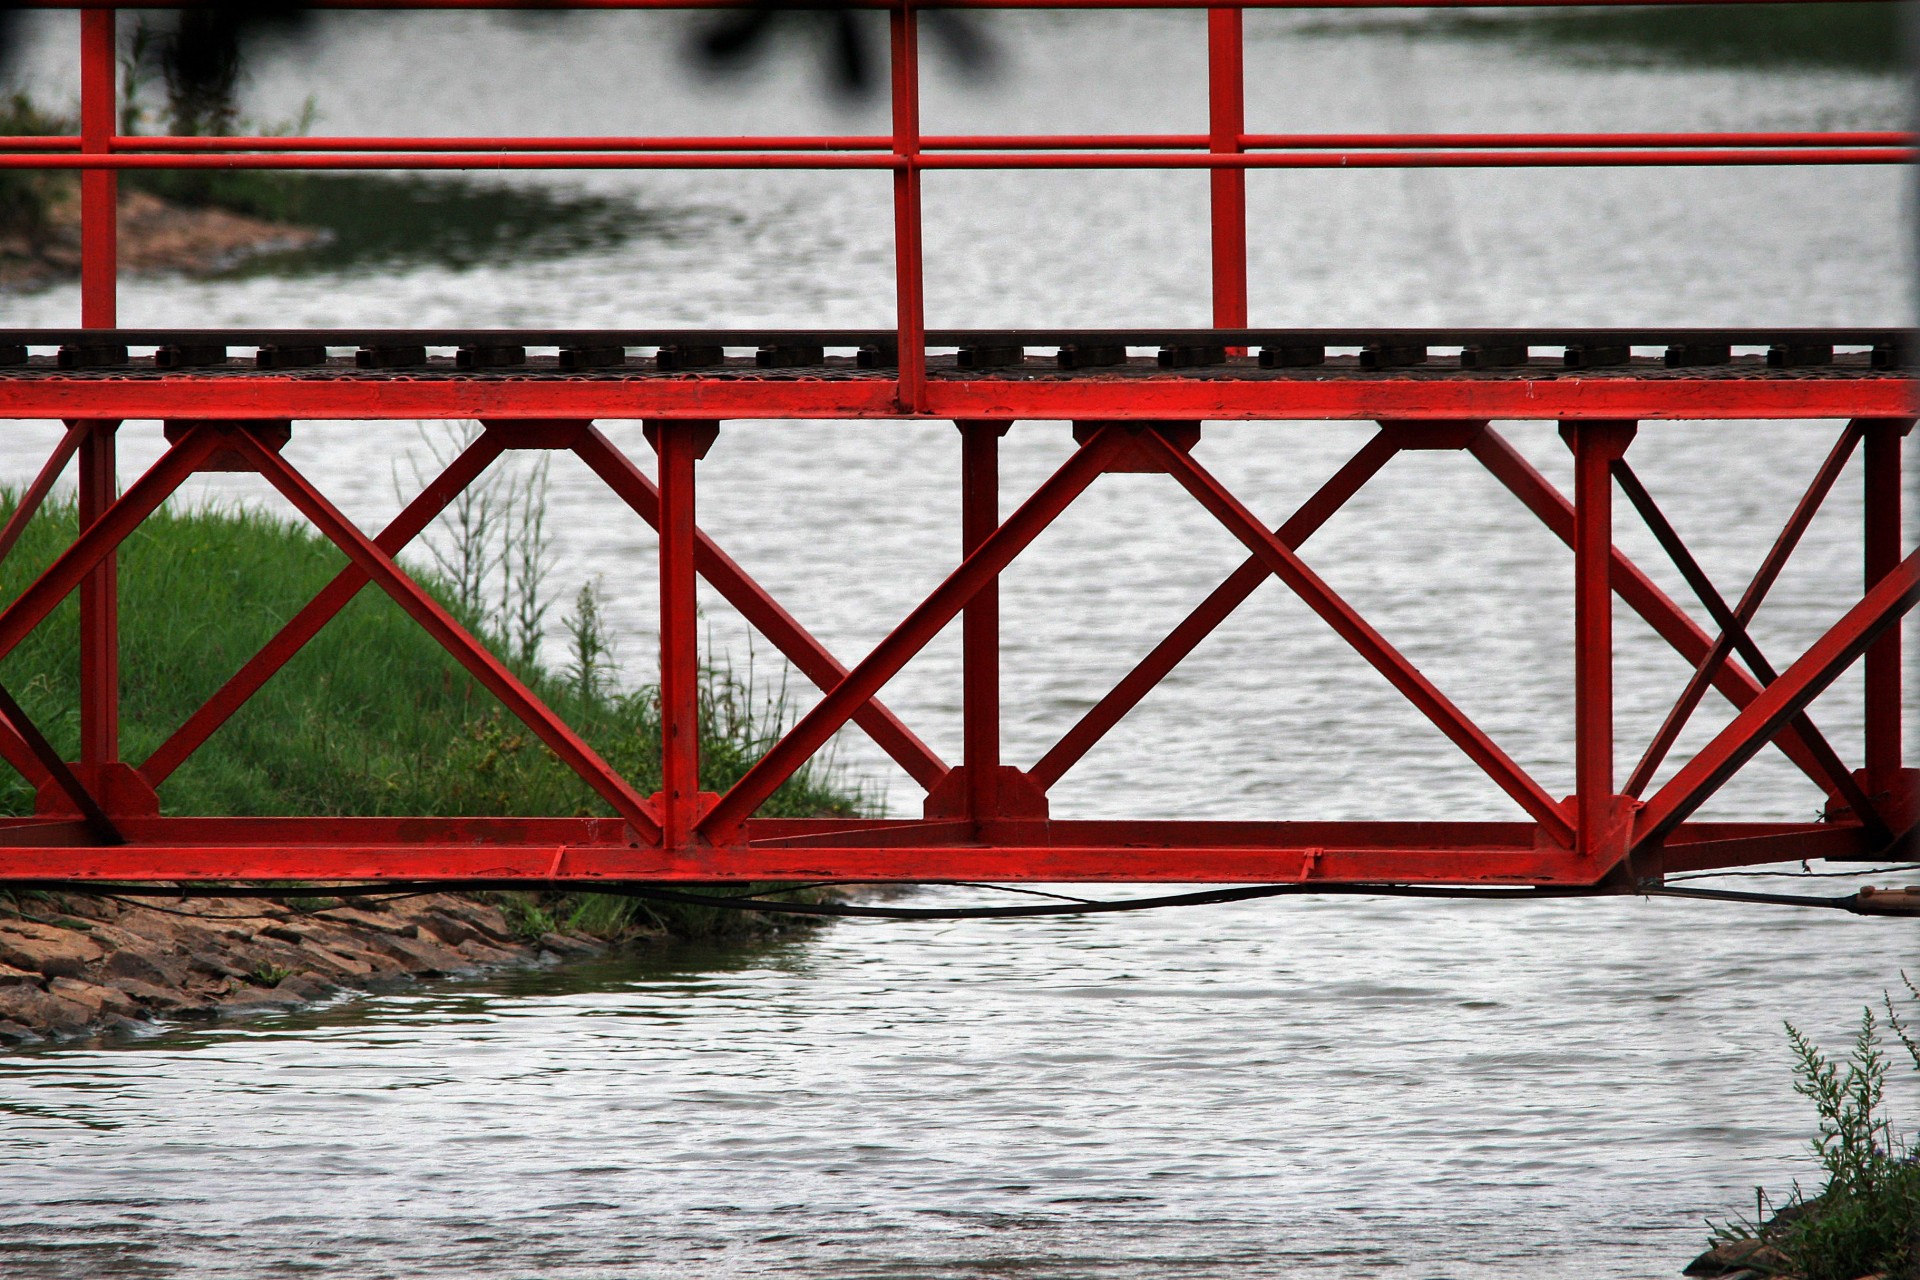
[1390, 142]
[899, 5]
[1647, 336]
[1055, 159]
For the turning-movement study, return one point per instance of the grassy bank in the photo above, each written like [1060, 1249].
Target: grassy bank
[371, 717]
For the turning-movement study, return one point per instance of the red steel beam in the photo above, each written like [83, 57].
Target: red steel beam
[980, 620]
[1839, 780]
[1668, 620]
[97, 540]
[1077, 397]
[36, 493]
[1211, 612]
[906, 163]
[1358, 633]
[910, 317]
[99, 604]
[761, 610]
[679, 446]
[99, 187]
[451, 636]
[675, 5]
[1227, 122]
[1776, 706]
[493, 146]
[583, 851]
[1750, 600]
[812, 730]
[304, 625]
[1596, 447]
[991, 142]
[1881, 480]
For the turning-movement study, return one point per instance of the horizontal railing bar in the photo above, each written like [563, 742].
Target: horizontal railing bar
[440, 5]
[944, 338]
[588, 160]
[981, 142]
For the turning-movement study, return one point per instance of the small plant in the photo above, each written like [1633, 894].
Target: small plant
[592, 669]
[1866, 1220]
[525, 916]
[269, 975]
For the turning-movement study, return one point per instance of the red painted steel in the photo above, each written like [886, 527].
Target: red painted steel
[985, 819]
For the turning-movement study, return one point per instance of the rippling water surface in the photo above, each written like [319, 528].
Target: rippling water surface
[1338, 1088]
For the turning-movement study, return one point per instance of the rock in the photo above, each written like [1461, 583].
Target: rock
[447, 929]
[14, 1033]
[176, 1004]
[418, 955]
[334, 963]
[1728, 1258]
[101, 1001]
[366, 920]
[42, 1010]
[46, 949]
[569, 946]
[480, 953]
[485, 919]
[146, 967]
[306, 988]
[259, 999]
[12, 977]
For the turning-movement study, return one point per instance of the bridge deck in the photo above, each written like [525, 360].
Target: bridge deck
[1764, 374]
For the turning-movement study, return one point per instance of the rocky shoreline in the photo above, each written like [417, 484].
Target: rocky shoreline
[76, 965]
[155, 234]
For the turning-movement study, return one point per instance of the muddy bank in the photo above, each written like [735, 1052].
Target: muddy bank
[73, 965]
[155, 235]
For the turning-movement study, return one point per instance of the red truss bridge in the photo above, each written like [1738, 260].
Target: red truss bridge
[228, 399]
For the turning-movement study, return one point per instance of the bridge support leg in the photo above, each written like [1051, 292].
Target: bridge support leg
[99, 605]
[1882, 662]
[680, 445]
[980, 622]
[1596, 445]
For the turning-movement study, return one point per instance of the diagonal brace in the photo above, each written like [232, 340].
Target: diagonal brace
[920, 626]
[36, 493]
[335, 596]
[57, 769]
[1668, 620]
[1780, 702]
[1705, 671]
[1211, 612]
[99, 539]
[761, 610]
[1838, 777]
[438, 623]
[1357, 632]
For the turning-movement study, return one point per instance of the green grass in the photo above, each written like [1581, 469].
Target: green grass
[1866, 1219]
[371, 717]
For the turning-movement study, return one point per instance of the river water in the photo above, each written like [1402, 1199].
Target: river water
[1337, 1088]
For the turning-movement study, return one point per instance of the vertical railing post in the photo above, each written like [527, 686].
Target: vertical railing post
[1881, 469]
[1226, 123]
[1596, 446]
[980, 623]
[679, 446]
[910, 300]
[99, 284]
[99, 188]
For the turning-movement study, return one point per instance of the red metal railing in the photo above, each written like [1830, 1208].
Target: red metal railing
[984, 819]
